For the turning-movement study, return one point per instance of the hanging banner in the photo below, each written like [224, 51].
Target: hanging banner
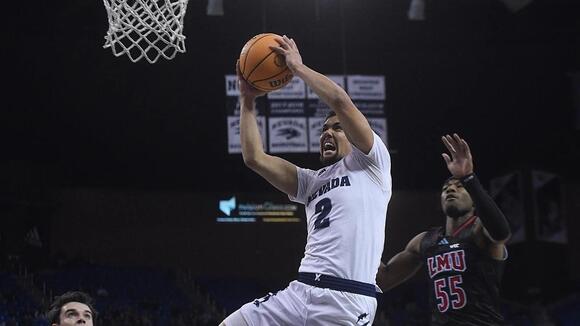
[232, 88]
[548, 207]
[508, 193]
[366, 87]
[288, 135]
[234, 144]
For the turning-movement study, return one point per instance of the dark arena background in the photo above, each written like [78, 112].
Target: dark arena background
[113, 174]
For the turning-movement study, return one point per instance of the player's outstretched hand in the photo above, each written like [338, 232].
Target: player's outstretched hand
[460, 163]
[290, 52]
[246, 90]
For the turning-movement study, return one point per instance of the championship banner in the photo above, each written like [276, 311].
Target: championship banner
[288, 135]
[508, 193]
[366, 87]
[548, 207]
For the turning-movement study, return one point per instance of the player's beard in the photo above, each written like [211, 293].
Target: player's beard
[455, 211]
[329, 160]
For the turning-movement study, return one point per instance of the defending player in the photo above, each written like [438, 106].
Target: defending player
[465, 260]
[345, 202]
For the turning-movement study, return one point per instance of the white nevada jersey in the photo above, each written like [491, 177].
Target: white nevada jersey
[346, 208]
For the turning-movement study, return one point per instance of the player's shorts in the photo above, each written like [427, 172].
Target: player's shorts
[302, 304]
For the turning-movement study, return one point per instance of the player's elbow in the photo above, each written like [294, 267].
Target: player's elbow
[253, 160]
[500, 236]
[382, 276]
[339, 100]
[250, 161]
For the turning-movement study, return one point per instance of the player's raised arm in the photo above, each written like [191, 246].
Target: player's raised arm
[460, 164]
[279, 172]
[353, 122]
[402, 266]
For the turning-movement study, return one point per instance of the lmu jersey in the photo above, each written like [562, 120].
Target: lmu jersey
[346, 209]
[464, 280]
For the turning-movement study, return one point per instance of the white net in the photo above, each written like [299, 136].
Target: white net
[147, 29]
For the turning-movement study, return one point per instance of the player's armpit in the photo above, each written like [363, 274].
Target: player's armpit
[402, 266]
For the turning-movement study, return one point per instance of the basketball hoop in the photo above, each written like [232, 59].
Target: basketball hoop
[147, 29]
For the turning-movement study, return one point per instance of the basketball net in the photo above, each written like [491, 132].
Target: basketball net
[147, 29]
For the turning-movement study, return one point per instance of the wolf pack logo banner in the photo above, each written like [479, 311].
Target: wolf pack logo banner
[234, 144]
[508, 193]
[548, 207]
[366, 87]
[288, 135]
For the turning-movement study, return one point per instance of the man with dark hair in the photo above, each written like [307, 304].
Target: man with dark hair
[72, 308]
[345, 203]
[464, 260]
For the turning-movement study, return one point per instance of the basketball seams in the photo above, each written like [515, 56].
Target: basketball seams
[248, 52]
[281, 72]
[258, 64]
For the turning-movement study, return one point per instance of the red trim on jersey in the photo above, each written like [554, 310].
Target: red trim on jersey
[464, 225]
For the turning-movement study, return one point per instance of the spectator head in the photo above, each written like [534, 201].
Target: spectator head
[72, 308]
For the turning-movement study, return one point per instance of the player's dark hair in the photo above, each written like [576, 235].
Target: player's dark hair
[53, 314]
[329, 115]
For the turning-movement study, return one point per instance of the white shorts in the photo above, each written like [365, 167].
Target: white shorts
[305, 305]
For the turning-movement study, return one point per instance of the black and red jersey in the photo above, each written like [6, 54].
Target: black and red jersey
[464, 280]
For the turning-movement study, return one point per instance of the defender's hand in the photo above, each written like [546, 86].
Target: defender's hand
[460, 163]
[290, 52]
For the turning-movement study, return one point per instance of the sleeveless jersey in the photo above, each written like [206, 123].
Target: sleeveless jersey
[346, 208]
[464, 280]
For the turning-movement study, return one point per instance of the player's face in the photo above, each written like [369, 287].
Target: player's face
[333, 142]
[75, 313]
[455, 200]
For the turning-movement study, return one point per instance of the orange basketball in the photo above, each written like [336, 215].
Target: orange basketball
[261, 67]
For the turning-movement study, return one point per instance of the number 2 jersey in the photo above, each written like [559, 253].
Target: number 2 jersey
[346, 209]
[464, 280]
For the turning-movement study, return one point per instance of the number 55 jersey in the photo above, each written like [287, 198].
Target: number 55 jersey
[463, 279]
[346, 209]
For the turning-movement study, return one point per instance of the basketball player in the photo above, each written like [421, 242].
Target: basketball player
[464, 261]
[72, 308]
[345, 202]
